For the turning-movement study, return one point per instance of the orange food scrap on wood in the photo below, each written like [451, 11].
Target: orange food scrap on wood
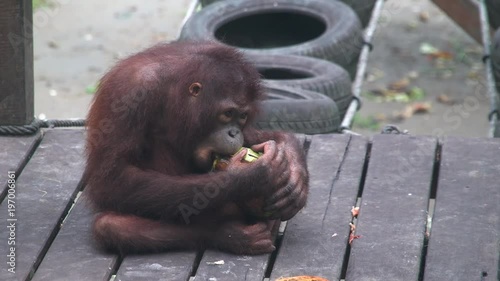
[355, 211]
[352, 237]
[302, 278]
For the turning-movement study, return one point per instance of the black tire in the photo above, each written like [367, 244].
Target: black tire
[363, 9]
[493, 7]
[297, 110]
[205, 3]
[323, 28]
[307, 73]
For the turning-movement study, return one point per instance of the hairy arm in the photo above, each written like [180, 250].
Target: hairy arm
[130, 189]
[290, 197]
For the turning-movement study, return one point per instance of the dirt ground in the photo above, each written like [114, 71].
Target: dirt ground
[77, 41]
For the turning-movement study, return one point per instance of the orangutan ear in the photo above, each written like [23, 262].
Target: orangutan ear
[195, 89]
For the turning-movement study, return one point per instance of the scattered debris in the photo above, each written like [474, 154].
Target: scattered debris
[412, 25]
[428, 49]
[88, 37]
[434, 53]
[445, 99]
[412, 109]
[52, 93]
[91, 89]
[352, 235]
[302, 278]
[423, 16]
[413, 75]
[52, 45]
[334, 235]
[374, 75]
[355, 211]
[353, 227]
[416, 94]
[421, 107]
[220, 262]
[399, 86]
[398, 91]
[369, 122]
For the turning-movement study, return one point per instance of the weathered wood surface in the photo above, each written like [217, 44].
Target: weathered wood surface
[315, 240]
[46, 186]
[465, 237]
[245, 268]
[73, 252]
[393, 175]
[14, 153]
[16, 62]
[393, 209]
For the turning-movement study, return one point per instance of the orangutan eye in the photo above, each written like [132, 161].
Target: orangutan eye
[228, 114]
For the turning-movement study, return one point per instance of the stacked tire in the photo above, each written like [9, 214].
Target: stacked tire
[297, 46]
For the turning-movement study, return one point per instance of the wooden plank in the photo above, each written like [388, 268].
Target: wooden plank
[14, 153]
[157, 267]
[393, 209]
[43, 191]
[16, 62]
[465, 235]
[73, 254]
[235, 267]
[465, 13]
[310, 246]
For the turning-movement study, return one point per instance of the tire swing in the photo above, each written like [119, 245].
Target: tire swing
[324, 29]
[297, 110]
[306, 73]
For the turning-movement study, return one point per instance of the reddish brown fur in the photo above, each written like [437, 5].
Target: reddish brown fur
[143, 127]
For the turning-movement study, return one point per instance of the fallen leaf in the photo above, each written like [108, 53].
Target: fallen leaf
[401, 97]
[399, 86]
[302, 278]
[404, 114]
[91, 89]
[423, 16]
[428, 49]
[441, 55]
[422, 107]
[444, 99]
[416, 94]
[410, 110]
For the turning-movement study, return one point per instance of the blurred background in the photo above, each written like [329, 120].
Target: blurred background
[416, 47]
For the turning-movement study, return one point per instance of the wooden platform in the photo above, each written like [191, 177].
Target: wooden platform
[395, 180]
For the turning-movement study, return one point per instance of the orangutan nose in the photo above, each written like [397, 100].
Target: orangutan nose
[233, 132]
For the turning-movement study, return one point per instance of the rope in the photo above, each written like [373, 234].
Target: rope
[24, 130]
[391, 129]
